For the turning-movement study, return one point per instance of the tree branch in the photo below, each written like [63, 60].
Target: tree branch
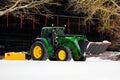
[26, 5]
[115, 4]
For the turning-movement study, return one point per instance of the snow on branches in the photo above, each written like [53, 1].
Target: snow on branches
[103, 9]
[25, 6]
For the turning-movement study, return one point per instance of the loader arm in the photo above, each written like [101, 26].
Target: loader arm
[72, 43]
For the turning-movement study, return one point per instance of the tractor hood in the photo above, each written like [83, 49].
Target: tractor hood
[73, 37]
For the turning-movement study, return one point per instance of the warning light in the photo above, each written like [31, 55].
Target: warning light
[8, 54]
[52, 24]
[65, 25]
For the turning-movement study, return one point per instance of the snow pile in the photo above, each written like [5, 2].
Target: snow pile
[114, 56]
[96, 59]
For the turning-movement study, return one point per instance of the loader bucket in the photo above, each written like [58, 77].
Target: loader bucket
[97, 47]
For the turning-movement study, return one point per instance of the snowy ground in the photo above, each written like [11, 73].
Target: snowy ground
[92, 69]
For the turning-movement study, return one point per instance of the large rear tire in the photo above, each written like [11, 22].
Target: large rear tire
[63, 53]
[38, 51]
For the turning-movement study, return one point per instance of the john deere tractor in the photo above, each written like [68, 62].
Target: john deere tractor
[55, 45]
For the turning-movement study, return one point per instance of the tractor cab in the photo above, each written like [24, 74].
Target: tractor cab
[51, 33]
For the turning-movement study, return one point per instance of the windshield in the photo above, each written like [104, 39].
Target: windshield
[59, 31]
[48, 32]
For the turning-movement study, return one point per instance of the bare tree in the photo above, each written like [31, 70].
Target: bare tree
[108, 11]
[25, 6]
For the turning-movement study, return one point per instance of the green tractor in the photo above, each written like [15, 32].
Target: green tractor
[55, 45]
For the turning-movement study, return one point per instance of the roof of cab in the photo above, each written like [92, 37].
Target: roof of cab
[51, 27]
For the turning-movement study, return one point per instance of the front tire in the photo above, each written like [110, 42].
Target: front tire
[63, 53]
[38, 51]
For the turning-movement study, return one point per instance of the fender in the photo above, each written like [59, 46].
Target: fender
[45, 41]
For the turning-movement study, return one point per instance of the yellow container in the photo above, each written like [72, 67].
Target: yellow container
[15, 56]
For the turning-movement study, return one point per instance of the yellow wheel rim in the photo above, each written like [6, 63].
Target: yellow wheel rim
[62, 55]
[37, 52]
